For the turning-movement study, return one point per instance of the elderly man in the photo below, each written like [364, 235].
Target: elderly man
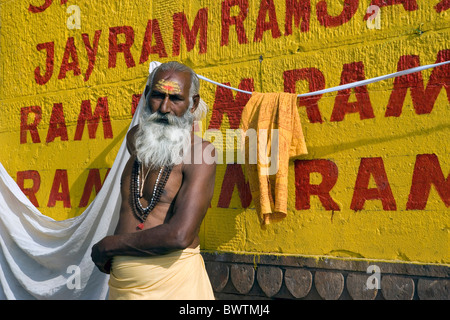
[166, 191]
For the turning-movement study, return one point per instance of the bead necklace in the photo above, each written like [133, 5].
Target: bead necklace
[136, 191]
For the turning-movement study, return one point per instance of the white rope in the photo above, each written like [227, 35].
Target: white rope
[222, 85]
[344, 86]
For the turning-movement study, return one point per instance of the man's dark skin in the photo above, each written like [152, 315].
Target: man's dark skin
[175, 221]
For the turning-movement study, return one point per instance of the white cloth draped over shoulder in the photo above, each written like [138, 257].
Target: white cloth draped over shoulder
[41, 258]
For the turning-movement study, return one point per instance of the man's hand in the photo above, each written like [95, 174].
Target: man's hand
[100, 257]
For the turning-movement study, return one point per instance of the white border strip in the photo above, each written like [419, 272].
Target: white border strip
[344, 86]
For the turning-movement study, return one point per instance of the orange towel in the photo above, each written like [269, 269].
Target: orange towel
[265, 112]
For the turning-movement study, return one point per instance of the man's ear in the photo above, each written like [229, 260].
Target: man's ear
[196, 99]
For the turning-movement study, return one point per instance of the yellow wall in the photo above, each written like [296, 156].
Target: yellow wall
[377, 144]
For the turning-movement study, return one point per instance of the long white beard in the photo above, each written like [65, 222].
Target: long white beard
[159, 144]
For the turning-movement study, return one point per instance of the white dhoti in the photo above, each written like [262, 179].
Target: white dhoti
[180, 275]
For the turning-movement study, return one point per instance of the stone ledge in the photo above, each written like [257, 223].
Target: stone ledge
[239, 276]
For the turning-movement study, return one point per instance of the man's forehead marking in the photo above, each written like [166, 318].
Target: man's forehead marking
[168, 86]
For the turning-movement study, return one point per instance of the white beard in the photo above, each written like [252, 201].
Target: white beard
[163, 144]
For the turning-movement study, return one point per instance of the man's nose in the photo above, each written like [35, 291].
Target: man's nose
[165, 105]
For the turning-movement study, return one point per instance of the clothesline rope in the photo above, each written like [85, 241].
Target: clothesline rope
[344, 86]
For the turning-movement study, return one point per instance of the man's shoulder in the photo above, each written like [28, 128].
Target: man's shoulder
[205, 143]
[199, 142]
[202, 152]
[131, 139]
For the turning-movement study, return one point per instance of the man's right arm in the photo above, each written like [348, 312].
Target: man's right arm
[192, 202]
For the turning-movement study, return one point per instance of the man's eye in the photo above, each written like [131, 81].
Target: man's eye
[157, 95]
